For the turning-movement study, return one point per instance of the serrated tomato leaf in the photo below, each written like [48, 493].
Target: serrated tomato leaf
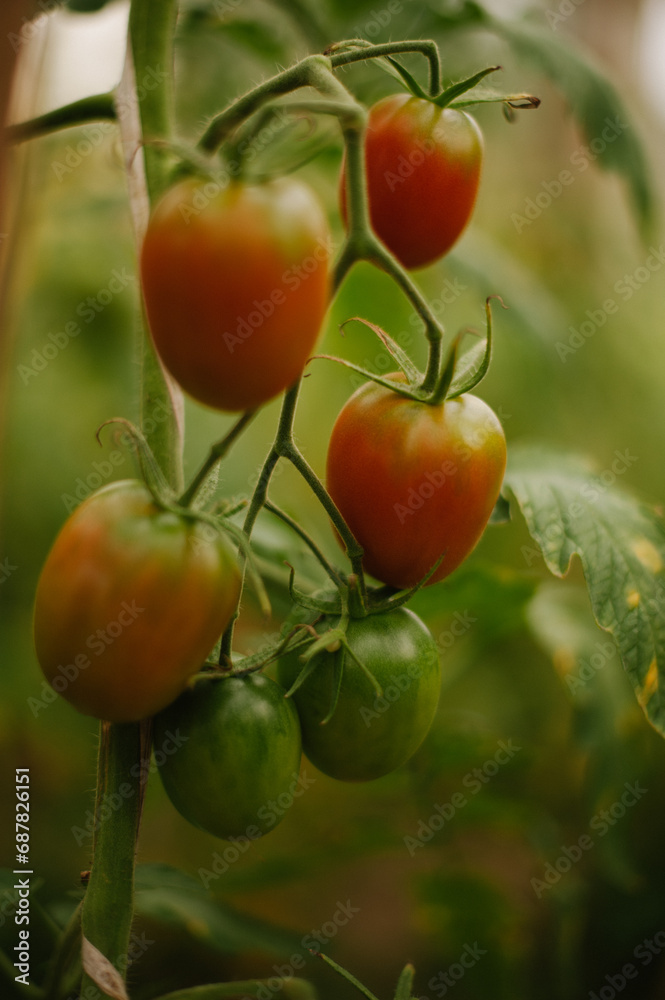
[570, 510]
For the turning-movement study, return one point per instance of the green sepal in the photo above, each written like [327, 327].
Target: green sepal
[303, 600]
[447, 373]
[413, 375]
[516, 102]
[153, 476]
[338, 675]
[401, 388]
[367, 672]
[257, 661]
[473, 366]
[337, 634]
[402, 74]
[301, 678]
[227, 508]
[446, 98]
[404, 596]
[405, 983]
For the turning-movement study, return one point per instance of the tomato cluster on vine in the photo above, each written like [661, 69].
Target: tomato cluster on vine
[236, 284]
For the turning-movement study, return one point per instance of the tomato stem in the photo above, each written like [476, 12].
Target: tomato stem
[98, 107]
[302, 74]
[285, 447]
[107, 912]
[340, 56]
[309, 541]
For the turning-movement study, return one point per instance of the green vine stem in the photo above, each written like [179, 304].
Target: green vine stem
[99, 107]
[108, 907]
[293, 78]
[360, 244]
[316, 551]
[341, 56]
[285, 447]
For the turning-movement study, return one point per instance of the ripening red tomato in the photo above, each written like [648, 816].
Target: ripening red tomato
[129, 604]
[415, 481]
[235, 283]
[423, 169]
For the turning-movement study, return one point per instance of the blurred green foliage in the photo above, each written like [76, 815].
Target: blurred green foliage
[509, 636]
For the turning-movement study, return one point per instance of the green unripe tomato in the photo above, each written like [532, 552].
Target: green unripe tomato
[368, 736]
[236, 770]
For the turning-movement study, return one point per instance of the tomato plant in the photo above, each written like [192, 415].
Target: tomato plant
[129, 603]
[141, 582]
[414, 481]
[423, 168]
[237, 770]
[368, 734]
[235, 284]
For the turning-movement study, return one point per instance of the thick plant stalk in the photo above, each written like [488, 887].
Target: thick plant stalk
[108, 907]
[107, 912]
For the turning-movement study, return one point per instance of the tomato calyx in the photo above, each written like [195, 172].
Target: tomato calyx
[456, 377]
[345, 604]
[451, 97]
[166, 499]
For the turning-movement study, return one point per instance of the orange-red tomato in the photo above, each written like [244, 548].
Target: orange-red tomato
[414, 481]
[235, 283]
[423, 169]
[129, 603]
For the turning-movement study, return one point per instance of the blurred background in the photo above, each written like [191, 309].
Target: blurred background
[413, 888]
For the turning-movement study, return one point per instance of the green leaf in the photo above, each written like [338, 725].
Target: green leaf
[292, 989]
[621, 544]
[495, 596]
[501, 512]
[174, 898]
